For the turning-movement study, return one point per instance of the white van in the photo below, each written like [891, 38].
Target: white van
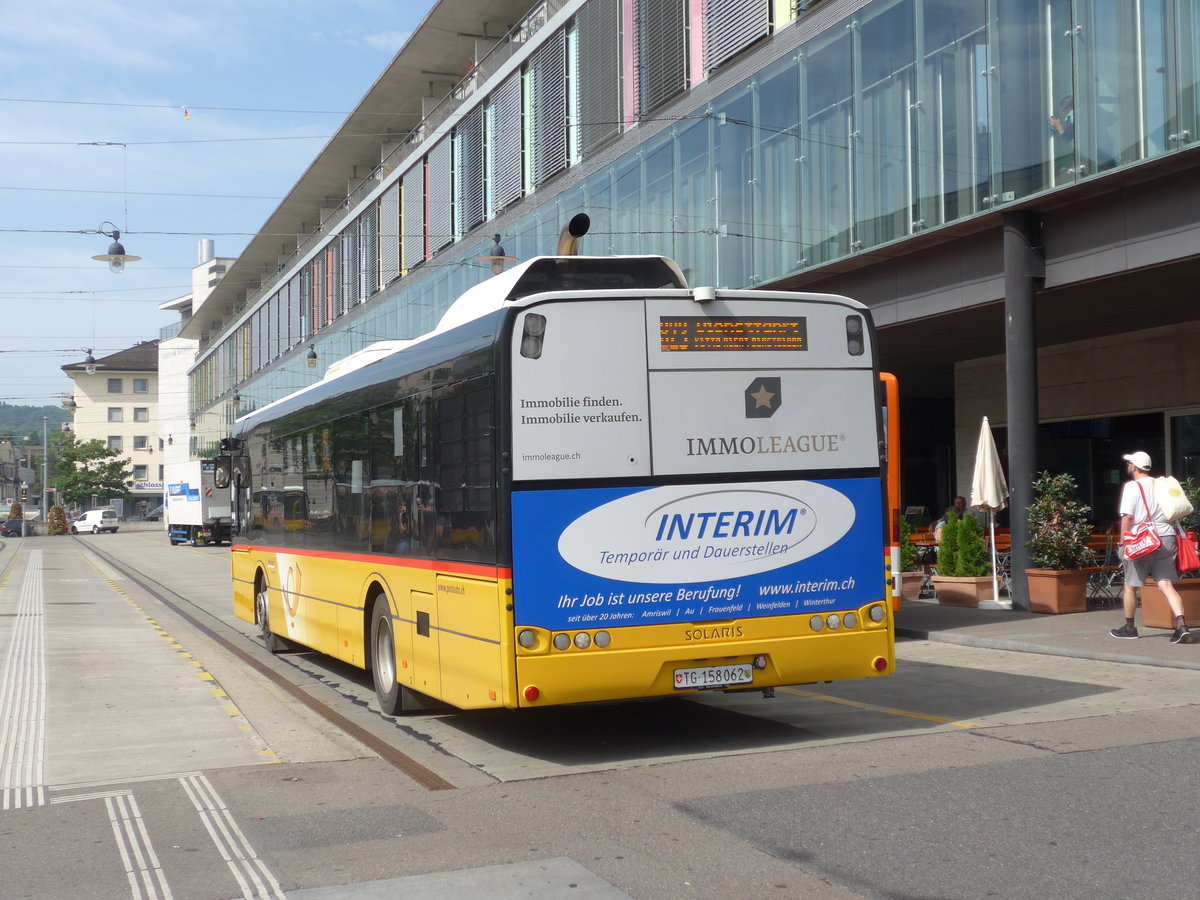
[96, 521]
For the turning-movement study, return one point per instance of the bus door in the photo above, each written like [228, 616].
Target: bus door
[422, 598]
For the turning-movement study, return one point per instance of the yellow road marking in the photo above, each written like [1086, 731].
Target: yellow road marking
[887, 710]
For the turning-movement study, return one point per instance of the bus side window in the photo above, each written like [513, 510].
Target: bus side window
[392, 434]
[350, 455]
[466, 514]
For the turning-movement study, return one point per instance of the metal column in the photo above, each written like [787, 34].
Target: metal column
[1024, 273]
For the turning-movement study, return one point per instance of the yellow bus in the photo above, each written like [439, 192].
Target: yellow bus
[588, 483]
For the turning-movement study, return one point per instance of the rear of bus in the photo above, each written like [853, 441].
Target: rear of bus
[696, 494]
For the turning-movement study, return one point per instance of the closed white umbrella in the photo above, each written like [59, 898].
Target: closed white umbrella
[989, 489]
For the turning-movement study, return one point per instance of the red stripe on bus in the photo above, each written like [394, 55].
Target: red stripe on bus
[453, 568]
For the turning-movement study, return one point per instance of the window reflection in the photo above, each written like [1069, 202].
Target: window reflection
[828, 125]
[884, 146]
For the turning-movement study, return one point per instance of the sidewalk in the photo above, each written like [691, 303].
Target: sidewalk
[1080, 635]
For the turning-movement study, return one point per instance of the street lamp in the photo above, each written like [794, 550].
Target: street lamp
[89, 362]
[311, 357]
[496, 256]
[116, 257]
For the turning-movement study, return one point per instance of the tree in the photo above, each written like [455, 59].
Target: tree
[84, 469]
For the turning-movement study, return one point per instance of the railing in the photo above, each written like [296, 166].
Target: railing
[169, 331]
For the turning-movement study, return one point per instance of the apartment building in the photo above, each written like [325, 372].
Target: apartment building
[116, 402]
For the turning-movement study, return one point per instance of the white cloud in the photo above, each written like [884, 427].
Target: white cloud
[390, 41]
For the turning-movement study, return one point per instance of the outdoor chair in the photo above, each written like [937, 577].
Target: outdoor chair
[1106, 576]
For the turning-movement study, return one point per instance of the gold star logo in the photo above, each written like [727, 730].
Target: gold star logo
[762, 397]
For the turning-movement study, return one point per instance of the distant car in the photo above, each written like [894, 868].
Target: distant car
[10, 528]
[96, 521]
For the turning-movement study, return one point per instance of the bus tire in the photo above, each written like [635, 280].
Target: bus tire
[262, 611]
[383, 659]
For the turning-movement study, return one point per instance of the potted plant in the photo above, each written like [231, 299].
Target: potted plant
[964, 570]
[911, 573]
[57, 522]
[1058, 546]
[1156, 612]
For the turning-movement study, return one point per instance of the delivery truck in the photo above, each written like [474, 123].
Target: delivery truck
[196, 510]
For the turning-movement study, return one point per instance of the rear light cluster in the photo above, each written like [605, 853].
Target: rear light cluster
[845, 621]
[564, 640]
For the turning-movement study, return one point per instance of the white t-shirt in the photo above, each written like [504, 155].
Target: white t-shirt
[1132, 505]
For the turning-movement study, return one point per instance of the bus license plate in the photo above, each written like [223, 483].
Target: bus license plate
[713, 676]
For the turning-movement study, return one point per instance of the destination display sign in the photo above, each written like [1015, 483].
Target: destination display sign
[691, 333]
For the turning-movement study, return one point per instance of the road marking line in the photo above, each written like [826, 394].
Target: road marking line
[888, 710]
[137, 853]
[23, 696]
[230, 841]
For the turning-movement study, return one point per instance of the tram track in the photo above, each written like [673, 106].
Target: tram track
[177, 603]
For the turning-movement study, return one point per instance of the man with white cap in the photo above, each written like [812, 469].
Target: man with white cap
[1138, 505]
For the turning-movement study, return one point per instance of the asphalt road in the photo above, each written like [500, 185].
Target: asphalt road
[139, 758]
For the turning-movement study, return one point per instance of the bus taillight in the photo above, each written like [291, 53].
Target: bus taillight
[532, 693]
[880, 664]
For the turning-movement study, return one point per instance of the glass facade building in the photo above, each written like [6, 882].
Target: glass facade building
[755, 142]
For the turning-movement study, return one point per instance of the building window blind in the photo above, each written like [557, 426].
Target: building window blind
[661, 27]
[412, 217]
[348, 259]
[389, 235]
[597, 84]
[368, 256]
[273, 326]
[503, 146]
[731, 26]
[441, 206]
[468, 183]
[546, 108]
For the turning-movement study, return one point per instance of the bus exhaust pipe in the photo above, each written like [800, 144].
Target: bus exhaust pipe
[568, 238]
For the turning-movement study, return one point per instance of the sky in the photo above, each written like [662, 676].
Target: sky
[94, 134]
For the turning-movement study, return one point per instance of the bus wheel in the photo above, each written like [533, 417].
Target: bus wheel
[383, 659]
[273, 642]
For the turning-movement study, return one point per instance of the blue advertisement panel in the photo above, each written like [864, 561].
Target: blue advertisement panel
[693, 553]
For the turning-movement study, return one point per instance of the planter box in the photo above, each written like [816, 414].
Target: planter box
[1156, 613]
[952, 591]
[1056, 591]
[910, 585]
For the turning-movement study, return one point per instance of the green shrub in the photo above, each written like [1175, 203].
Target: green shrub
[1058, 525]
[947, 548]
[973, 559]
[908, 552]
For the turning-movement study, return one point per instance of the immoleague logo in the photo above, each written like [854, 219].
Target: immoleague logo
[763, 398]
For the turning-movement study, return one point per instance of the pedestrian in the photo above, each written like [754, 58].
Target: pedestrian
[1138, 505]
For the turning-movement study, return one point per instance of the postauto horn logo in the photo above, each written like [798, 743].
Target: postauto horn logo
[670, 535]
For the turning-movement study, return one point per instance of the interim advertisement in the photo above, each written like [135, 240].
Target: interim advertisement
[692, 553]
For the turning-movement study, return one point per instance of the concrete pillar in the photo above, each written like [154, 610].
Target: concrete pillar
[1024, 273]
